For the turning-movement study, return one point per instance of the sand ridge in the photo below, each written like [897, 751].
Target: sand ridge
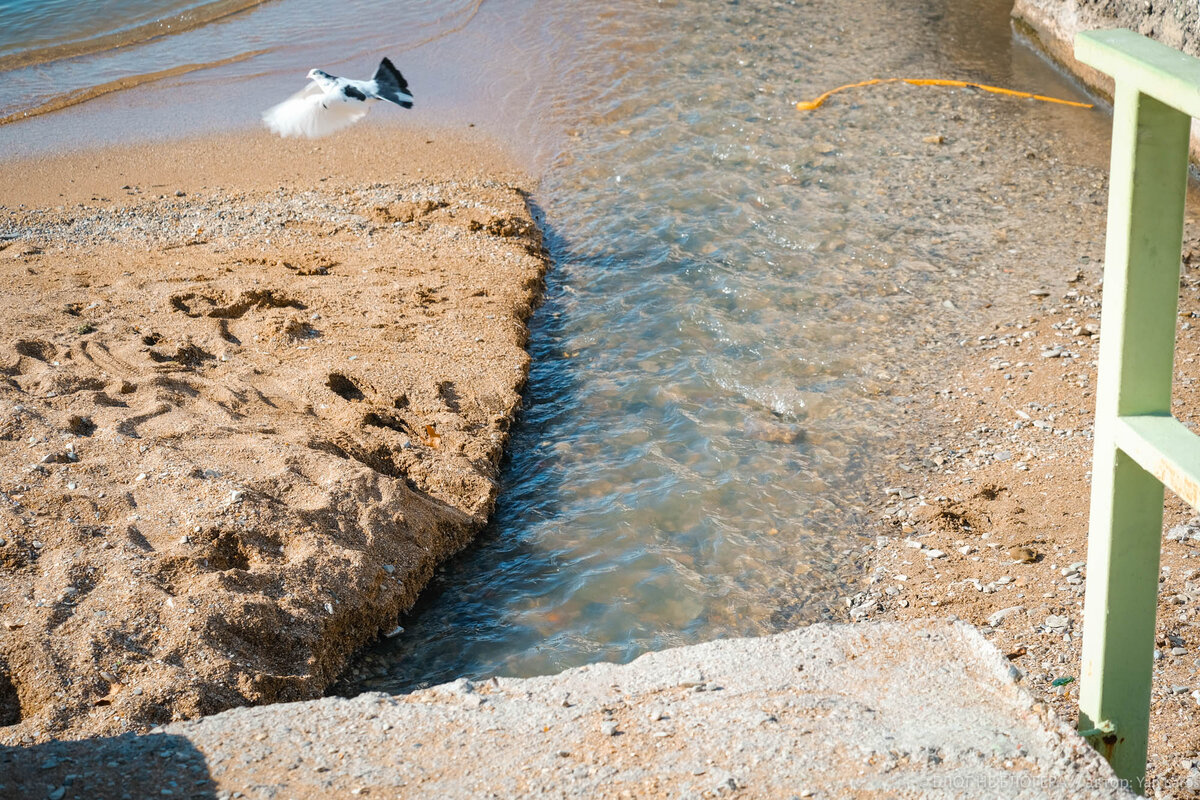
[247, 404]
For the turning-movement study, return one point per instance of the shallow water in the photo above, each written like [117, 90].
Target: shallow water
[737, 284]
[44, 30]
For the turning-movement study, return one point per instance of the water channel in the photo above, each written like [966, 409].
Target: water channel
[738, 286]
[741, 291]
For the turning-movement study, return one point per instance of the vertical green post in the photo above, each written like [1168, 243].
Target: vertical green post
[1141, 285]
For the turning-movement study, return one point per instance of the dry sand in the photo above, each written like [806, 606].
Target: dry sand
[251, 393]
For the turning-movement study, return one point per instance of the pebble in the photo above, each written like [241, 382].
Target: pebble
[608, 728]
[1179, 651]
[1181, 532]
[997, 619]
[1055, 622]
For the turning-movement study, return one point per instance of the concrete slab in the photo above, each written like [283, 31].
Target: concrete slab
[921, 709]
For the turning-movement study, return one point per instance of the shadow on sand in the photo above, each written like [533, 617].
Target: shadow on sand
[110, 768]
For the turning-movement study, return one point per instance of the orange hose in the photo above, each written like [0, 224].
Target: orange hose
[812, 105]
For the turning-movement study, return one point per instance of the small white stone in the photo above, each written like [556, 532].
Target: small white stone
[997, 619]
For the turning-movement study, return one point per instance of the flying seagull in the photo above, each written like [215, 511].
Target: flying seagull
[331, 103]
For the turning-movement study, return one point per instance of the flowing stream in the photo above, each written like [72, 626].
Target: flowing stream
[739, 290]
[737, 286]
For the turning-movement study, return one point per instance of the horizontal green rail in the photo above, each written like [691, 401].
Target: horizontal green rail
[1166, 449]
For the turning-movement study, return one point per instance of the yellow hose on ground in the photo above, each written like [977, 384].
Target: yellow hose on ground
[813, 105]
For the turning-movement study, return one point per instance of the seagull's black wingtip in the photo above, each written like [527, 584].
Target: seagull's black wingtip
[387, 76]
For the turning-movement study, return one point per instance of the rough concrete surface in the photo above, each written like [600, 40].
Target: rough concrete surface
[918, 709]
[1052, 25]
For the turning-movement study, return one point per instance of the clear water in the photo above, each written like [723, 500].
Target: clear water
[737, 284]
[288, 37]
[29, 27]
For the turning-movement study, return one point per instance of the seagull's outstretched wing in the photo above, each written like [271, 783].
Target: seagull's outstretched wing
[313, 113]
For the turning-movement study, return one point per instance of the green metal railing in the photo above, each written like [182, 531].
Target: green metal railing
[1139, 446]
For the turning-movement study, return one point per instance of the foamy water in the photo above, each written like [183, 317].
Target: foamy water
[736, 284]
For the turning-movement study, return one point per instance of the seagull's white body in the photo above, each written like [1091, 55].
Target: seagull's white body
[330, 103]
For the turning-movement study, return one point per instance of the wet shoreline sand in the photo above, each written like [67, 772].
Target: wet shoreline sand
[251, 393]
[985, 517]
[985, 514]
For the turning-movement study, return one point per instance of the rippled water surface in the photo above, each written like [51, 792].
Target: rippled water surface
[737, 284]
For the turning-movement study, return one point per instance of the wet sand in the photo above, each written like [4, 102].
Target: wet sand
[985, 515]
[251, 393]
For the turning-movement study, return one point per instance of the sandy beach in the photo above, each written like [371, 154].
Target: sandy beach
[251, 393]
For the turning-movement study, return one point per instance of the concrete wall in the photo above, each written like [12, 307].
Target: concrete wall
[1052, 24]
